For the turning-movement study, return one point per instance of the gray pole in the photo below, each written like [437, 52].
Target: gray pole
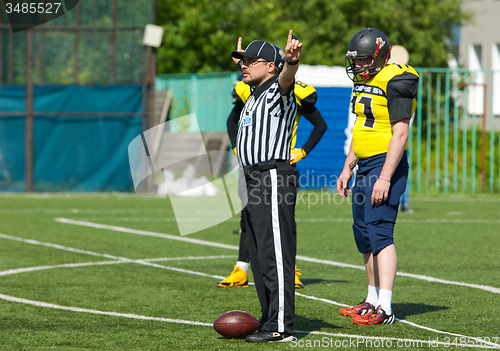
[28, 158]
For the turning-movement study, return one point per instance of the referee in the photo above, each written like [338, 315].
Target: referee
[305, 96]
[263, 147]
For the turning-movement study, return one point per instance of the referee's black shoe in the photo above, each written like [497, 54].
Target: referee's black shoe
[269, 337]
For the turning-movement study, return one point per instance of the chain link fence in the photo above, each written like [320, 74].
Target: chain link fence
[98, 42]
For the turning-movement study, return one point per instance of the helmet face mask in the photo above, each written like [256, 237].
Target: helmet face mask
[361, 72]
[370, 45]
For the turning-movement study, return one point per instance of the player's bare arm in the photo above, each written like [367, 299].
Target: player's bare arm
[292, 53]
[400, 131]
[346, 175]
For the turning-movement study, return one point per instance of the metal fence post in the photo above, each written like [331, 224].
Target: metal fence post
[446, 130]
[28, 153]
[492, 137]
[455, 142]
[437, 147]
[429, 129]
[464, 135]
[419, 135]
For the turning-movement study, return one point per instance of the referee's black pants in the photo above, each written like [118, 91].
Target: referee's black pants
[272, 243]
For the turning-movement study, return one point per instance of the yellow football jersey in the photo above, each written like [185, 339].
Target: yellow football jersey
[304, 94]
[372, 131]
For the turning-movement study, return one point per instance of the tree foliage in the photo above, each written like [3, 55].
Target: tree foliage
[199, 35]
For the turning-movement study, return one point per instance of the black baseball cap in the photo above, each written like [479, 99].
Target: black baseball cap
[264, 50]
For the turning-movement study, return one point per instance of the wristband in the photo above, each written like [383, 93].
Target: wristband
[386, 179]
[292, 63]
[353, 164]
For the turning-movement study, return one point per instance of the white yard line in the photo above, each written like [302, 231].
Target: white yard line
[302, 258]
[361, 340]
[66, 265]
[112, 257]
[383, 342]
[144, 262]
[146, 233]
[102, 263]
[300, 220]
[401, 320]
[455, 199]
[402, 274]
[85, 310]
[79, 210]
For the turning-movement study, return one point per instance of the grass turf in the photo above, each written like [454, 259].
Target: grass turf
[454, 239]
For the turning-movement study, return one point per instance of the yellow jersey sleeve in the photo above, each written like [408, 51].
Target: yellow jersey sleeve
[241, 92]
[304, 94]
[373, 131]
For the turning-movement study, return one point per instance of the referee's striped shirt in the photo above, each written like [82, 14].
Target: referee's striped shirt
[266, 125]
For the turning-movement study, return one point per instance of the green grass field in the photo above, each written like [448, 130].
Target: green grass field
[124, 285]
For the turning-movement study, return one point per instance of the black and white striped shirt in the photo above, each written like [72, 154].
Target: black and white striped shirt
[266, 125]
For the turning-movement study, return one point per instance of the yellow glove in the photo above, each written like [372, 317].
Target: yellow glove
[297, 155]
[234, 151]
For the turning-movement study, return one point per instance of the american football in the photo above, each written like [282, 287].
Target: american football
[236, 324]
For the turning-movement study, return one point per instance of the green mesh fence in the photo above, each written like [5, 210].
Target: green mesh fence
[208, 95]
[455, 141]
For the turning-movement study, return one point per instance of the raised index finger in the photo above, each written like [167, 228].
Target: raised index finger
[289, 36]
[238, 46]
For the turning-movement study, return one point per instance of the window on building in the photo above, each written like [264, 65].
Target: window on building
[475, 57]
[495, 66]
[476, 89]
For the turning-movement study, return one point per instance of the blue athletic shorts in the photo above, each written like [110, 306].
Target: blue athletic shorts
[374, 225]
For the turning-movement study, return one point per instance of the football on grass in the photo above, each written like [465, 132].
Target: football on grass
[236, 324]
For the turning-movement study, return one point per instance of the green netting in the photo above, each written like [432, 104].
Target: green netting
[207, 95]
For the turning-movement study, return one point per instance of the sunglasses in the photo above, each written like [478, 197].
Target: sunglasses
[250, 63]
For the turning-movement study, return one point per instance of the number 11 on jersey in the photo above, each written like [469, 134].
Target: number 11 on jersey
[367, 110]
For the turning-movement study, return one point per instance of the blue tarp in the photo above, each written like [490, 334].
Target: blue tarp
[88, 153]
[321, 168]
[84, 153]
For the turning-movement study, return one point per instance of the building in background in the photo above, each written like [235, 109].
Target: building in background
[479, 49]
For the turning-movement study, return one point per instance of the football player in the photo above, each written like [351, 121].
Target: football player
[384, 101]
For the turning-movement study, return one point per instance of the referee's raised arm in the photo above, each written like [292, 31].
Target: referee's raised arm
[292, 52]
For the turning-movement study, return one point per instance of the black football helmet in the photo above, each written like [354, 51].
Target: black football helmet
[280, 58]
[368, 43]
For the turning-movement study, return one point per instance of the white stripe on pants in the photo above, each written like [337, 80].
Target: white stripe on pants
[277, 249]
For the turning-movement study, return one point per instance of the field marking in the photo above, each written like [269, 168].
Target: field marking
[144, 262]
[65, 265]
[419, 343]
[76, 210]
[187, 322]
[112, 257]
[85, 310]
[455, 199]
[86, 264]
[451, 220]
[403, 274]
[303, 220]
[116, 314]
[146, 233]
[400, 320]
[408, 220]
[299, 257]
[83, 264]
